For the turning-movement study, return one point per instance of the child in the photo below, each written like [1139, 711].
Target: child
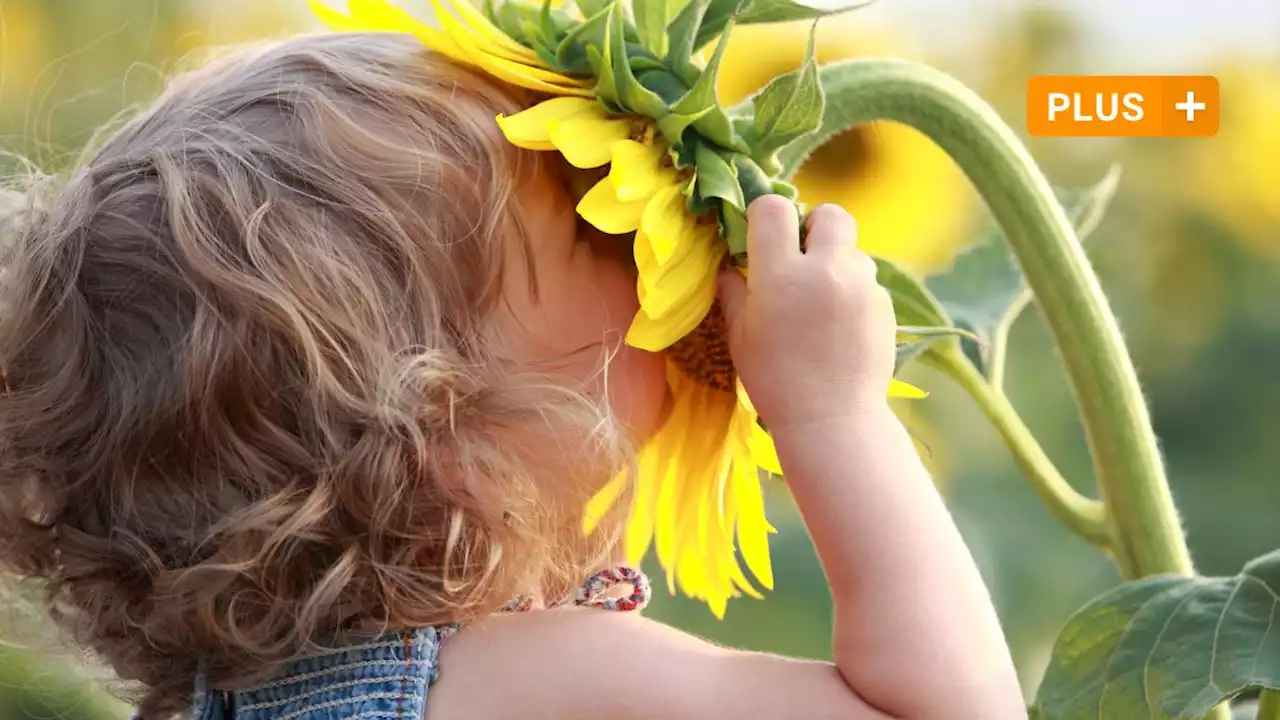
[307, 368]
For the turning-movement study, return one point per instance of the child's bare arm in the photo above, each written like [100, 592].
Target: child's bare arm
[916, 635]
[813, 338]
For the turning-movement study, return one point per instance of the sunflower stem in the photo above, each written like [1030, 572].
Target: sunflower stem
[1145, 530]
[1082, 515]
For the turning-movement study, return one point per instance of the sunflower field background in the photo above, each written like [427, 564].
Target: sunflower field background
[1189, 253]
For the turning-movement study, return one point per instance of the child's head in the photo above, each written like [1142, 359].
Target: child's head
[306, 348]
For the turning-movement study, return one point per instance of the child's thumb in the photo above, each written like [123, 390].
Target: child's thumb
[731, 288]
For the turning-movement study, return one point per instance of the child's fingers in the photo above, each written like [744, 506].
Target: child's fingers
[773, 232]
[830, 231]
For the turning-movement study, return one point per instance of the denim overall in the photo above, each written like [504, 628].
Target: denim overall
[386, 678]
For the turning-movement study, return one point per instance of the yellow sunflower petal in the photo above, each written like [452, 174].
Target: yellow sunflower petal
[900, 389]
[382, 15]
[657, 334]
[490, 32]
[531, 128]
[662, 290]
[732, 511]
[636, 168]
[753, 527]
[603, 501]
[667, 221]
[523, 76]
[478, 39]
[763, 452]
[652, 273]
[639, 530]
[602, 208]
[586, 139]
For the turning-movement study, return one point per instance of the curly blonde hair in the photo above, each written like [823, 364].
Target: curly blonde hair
[251, 400]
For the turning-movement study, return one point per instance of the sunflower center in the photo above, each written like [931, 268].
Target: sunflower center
[704, 353]
[847, 158]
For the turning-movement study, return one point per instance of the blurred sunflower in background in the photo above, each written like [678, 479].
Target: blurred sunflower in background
[911, 202]
[1243, 159]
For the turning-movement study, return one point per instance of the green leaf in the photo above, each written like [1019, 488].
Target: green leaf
[914, 306]
[652, 17]
[716, 177]
[789, 107]
[1167, 647]
[700, 108]
[631, 94]
[984, 289]
[683, 29]
[718, 13]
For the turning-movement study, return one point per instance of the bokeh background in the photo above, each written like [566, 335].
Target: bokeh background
[1190, 255]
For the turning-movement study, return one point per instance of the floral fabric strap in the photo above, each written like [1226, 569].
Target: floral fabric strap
[589, 594]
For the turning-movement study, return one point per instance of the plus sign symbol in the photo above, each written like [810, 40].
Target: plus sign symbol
[1190, 106]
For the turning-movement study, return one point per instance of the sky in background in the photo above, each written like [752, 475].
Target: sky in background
[1132, 36]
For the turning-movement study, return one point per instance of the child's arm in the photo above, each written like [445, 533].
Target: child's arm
[916, 635]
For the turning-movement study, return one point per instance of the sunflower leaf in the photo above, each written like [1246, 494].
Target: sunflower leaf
[789, 107]
[631, 94]
[719, 12]
[984, 290]
[716, 178]
[915, 308]
[1167, 647]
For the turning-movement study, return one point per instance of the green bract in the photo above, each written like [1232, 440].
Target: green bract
[642, 57]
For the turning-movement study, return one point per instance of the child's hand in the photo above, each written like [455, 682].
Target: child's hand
[811, 332]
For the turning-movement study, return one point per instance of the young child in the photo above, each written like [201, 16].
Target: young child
[307, 369]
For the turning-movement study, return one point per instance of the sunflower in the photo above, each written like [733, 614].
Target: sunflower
[881, 172]
[696, 494]
[465, 36]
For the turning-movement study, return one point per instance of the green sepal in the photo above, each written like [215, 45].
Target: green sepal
[667, 86]
[591, 8]
[652, 17]
[684, 155]
[674, 125]
[733, 227]
[788, 108]
[700, 107]
[716, 178]
[644, 64]
[754, 182]
[683, 29]
[606, 89]
[574, 49]
[785, 189]
[631, 94]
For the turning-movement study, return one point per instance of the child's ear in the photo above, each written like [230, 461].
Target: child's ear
[577, 181]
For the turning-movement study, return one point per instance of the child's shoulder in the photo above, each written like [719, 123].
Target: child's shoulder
[576, 662]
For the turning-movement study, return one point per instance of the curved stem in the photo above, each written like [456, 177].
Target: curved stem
[1146, 534]
[1084, 516]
